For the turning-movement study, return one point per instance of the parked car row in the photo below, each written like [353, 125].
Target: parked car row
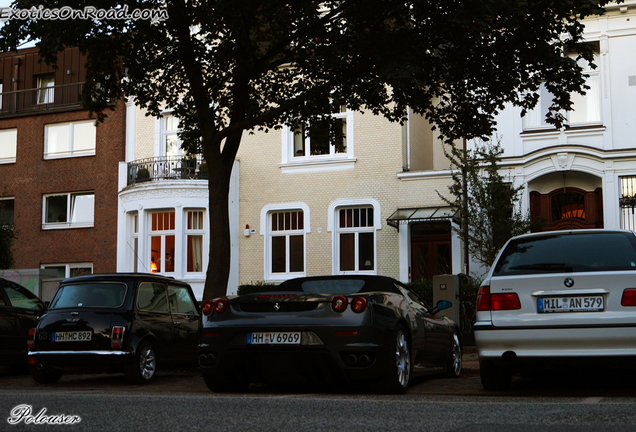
[349, 329]
[556, 298]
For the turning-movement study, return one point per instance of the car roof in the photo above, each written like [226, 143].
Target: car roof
[573, 232]
[123, 277]
[371, 282]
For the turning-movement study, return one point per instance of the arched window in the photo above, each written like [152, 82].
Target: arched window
[566, 205]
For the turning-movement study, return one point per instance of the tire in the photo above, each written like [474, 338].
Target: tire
[398, 374]
[225, 383]
[494, 377]
[45, 374]
[143, 369]
[454, 364]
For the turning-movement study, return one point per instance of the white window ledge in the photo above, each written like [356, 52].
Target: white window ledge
[66, 225]
[425, 175]
[317, 165]
[7, 161]
[69, 154]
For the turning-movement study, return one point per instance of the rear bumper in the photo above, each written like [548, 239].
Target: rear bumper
[590, 342]
[81, 358]
[352, 357]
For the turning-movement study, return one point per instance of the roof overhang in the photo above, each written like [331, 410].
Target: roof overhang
[421, 214]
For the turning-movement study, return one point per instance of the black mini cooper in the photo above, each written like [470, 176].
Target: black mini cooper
[127, 323]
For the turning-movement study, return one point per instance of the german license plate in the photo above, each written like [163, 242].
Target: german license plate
[72, 336]
[570, 304]
[275, 338]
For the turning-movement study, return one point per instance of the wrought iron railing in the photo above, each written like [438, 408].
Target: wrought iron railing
[40, 99]
[167, 168]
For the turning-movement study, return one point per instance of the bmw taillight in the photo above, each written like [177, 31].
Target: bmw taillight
[339, 303]
[220, 305]
[31, 338]
[117, 336]
[499, 301]
[207, 306]
[359, 304]
[629, 297]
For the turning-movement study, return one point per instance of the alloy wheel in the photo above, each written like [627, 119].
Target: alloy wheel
[402, 359]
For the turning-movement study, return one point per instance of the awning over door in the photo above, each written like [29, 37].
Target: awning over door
[421, 214]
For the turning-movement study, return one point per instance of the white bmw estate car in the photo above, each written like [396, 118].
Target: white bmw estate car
[557, 298]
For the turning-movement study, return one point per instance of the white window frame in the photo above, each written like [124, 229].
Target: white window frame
[1, 89]
[46, 92]
[187, 232]
[71, 202]
[334, 228]
[71, 152]
[9, 138]
[309, 163]
[68, 267]
[266, 232]
[162, 234]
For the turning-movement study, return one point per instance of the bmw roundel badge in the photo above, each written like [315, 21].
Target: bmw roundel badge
[568, 282]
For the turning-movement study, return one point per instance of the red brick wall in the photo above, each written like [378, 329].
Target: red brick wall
[31, 177]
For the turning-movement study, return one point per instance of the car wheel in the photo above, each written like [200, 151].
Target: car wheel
[144, 366]
[398, 375]
[225, 383]
[494, 377]
[45, 374]
[454, 365]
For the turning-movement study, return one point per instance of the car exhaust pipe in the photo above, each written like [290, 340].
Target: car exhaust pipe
[352, 359]
[509, 357]
[206, 360]
[365, 360]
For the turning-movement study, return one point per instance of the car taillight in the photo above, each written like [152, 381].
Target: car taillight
[117, 336]
[500, 301]
[483, 299]
[359, 304]
[339, 303]
[31, 338]
[206, 307]
[220, 305]
[629, 297]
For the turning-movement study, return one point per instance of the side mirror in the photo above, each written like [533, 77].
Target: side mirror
[440, 306]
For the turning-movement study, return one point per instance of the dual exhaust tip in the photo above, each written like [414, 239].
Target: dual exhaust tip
[206, 360]
[358, 360]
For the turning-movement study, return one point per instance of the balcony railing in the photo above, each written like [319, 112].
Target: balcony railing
[35, 100]
[166, 168]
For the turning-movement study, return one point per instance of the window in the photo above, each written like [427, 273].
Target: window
[152, 297]
[180, 301]
[70, 139]
[568, 205]
[627, 202]
[194, 241]
[162, 242]
[0, 94]
[71, 210]
[8, 145]
[19, 297]
[287, 243]
[170, 140]
[70, 270]
[355, 236]
[586, 109]
[321, 142]
[45, 89]
[134, 219]
[7, 210]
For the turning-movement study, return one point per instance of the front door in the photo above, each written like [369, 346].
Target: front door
[430, 257]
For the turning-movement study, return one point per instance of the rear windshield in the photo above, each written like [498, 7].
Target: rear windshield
[568, 252]
[333, 286]
[109, 295]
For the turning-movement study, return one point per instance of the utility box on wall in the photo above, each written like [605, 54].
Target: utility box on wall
[446, 287]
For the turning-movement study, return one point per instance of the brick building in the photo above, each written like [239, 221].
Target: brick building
[58, 168]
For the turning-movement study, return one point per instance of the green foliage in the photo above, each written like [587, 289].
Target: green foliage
[493, 212]
[228, 66]
[143, 174]
[424, 290]
[256, 287]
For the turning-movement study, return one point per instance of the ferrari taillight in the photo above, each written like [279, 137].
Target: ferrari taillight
[117, 336]
[339, 303]
[220, 305]
[206, 307]
[30, 338]
[359, 304]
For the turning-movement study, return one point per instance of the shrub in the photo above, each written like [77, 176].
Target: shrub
[255, 287]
